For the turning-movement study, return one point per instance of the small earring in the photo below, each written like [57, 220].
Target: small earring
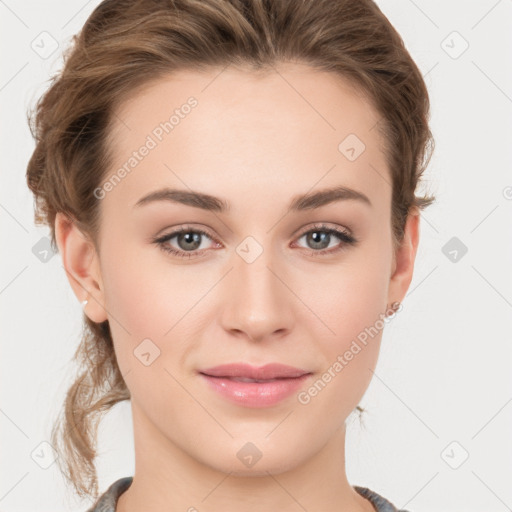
[394, 307]
[84, 303]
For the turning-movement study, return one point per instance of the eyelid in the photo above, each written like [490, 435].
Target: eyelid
[186, 228]
[322, 226]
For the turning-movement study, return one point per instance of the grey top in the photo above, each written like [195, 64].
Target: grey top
[108, 500]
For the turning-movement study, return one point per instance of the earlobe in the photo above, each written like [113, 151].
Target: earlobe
[80, 261]
[405, 257]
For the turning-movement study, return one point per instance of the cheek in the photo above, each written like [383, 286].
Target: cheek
[135, 299]
[130, 295]
[347, 305]
[148, 297]
[347, 338]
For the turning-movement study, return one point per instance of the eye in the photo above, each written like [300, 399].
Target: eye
[188, 240]
[320, 237]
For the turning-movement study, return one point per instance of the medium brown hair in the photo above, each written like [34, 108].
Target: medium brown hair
[123, 45]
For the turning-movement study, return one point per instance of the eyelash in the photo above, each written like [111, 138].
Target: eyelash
[346, 238]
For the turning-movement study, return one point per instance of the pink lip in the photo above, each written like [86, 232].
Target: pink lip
[255, 394]
[269, 371]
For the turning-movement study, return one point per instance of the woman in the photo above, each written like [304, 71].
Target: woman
[231, 185]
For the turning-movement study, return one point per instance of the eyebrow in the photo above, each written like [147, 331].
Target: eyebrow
[208, 202]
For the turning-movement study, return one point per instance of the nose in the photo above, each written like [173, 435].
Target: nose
[259, 302]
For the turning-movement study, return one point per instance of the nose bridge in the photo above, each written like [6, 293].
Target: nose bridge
[257, 303]
[253, 263]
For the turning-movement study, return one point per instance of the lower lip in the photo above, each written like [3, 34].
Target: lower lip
[255, 394]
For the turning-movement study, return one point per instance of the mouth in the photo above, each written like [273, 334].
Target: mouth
[255, 387]
[244, 372]
[246, 379]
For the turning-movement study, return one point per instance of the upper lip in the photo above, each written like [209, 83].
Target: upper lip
[268, 371]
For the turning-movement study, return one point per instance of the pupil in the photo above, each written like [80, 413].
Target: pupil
[318, 237]
[192, 238]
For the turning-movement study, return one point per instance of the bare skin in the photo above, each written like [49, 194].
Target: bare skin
[256, 142]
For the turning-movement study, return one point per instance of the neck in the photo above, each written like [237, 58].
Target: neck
[169, 479]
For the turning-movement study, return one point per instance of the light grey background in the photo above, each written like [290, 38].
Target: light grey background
[442, 389]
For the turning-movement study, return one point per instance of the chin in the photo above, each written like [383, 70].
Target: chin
[274, 464]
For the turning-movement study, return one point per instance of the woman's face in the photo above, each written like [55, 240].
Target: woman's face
[267, 283]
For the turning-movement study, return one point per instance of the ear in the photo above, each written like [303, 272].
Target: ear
[81, 263]
[404, 258]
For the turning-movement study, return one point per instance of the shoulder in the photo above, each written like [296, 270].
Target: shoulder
[108, 500]
[380, 503]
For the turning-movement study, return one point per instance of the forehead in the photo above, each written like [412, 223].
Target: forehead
[241, 131]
